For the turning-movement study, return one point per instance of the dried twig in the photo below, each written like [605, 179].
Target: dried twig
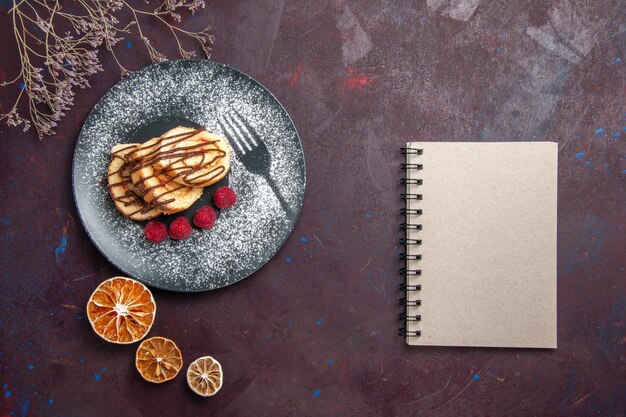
[53, 64]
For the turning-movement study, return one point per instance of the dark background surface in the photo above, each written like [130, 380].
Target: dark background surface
[314, 332]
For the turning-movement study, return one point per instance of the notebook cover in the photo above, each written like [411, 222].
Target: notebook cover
[488, 244]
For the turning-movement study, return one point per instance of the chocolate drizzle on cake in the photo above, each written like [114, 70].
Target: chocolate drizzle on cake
[165, 150]
[130, 197]
[173, 165]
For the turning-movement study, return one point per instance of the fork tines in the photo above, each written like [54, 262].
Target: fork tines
[242, 134]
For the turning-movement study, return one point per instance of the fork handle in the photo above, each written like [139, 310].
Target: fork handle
[278, 195]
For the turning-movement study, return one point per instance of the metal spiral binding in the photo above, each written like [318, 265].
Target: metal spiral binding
[411, 151]
[406, 287]
[403, 316]
[417, 167]
[409, 303]
[406, 257]
[410, 242]
[405, 241]
[410, 196]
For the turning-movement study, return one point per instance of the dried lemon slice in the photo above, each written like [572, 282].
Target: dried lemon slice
[121, 310]
[205, 376]
[158, 359]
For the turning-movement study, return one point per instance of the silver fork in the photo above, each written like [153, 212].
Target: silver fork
[251, 151]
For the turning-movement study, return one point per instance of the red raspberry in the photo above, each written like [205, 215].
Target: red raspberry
[205, 217]
[180, 229]
[155, 231]
[224, 197]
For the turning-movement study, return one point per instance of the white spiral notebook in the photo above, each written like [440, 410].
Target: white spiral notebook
[480, 221]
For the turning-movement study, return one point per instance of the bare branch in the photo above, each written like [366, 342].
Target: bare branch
[54, 64]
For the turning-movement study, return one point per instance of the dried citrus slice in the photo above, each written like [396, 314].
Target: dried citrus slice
[121, 310]
[205, 376]
[158, 359]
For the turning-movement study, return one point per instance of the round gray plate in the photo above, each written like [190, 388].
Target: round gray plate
[269, 178]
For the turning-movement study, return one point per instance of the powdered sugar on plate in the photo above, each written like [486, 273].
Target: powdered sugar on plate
[246, 235]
